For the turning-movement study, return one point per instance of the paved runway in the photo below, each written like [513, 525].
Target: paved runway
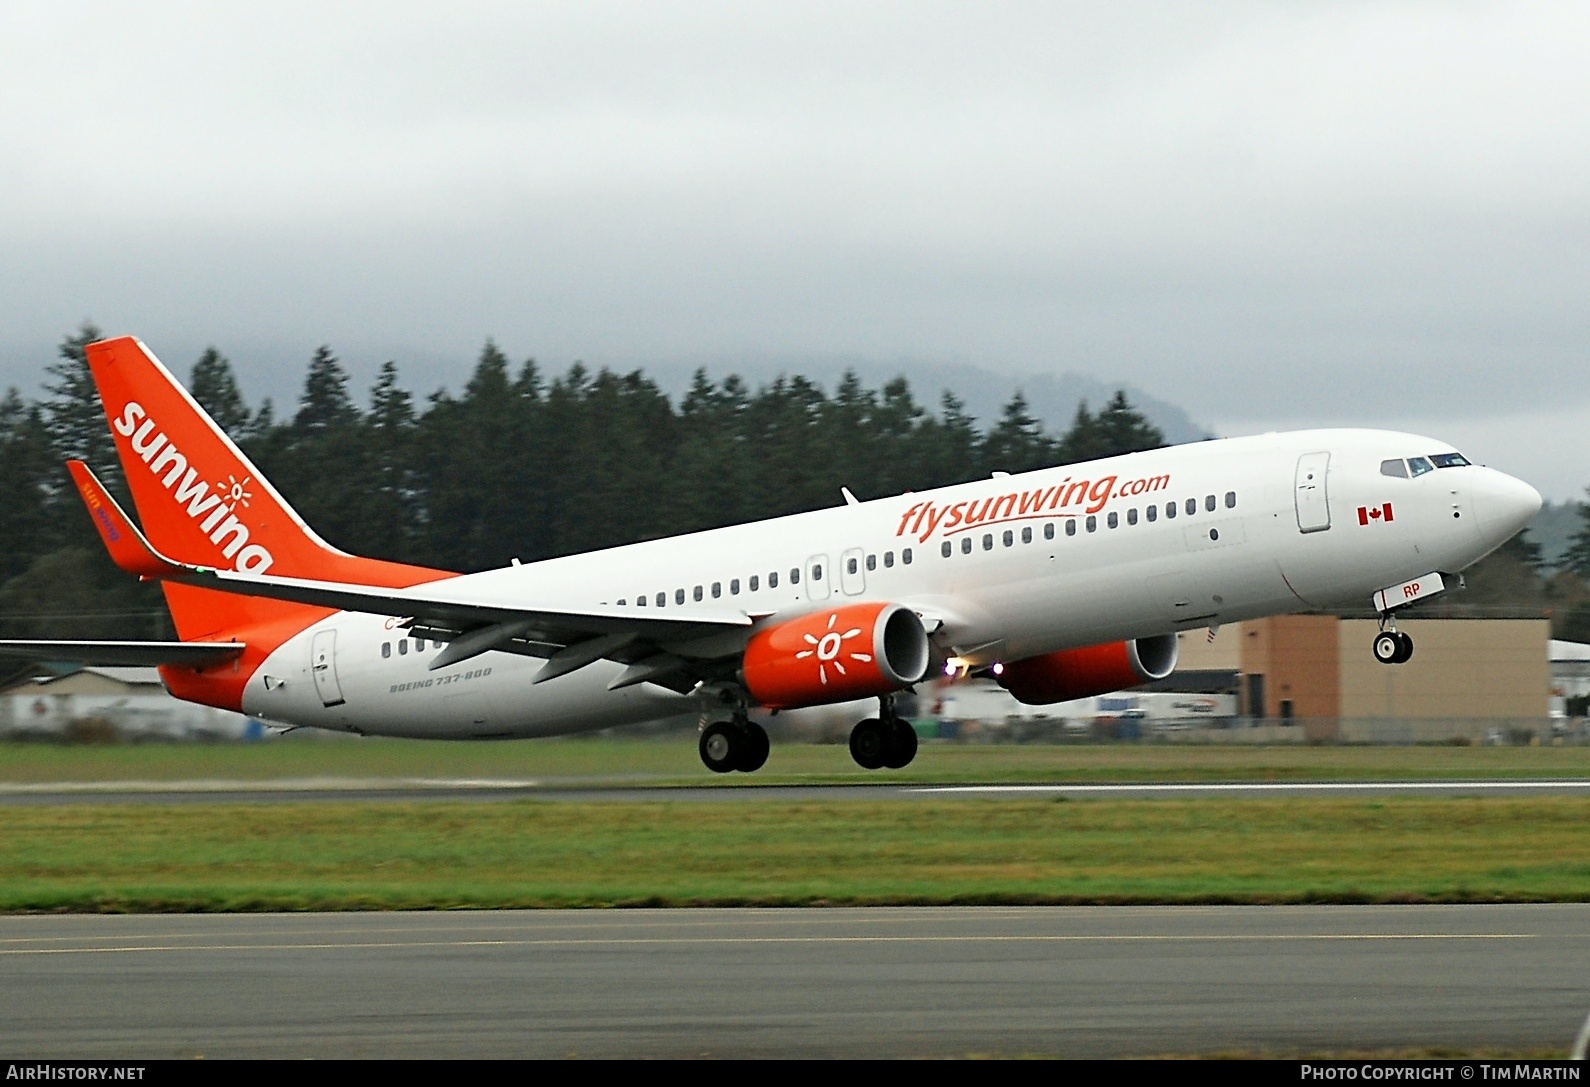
[372, 789]
[844, 982]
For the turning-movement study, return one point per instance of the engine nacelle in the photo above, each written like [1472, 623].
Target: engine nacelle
[834, 655]
[1091, 670]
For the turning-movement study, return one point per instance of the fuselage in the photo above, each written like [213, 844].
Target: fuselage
[999, 569]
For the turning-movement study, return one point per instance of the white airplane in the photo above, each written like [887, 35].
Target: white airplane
[1063, 583]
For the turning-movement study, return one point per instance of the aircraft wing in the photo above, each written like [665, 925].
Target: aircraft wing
[434, 602]
[470, 624]
[123, 654]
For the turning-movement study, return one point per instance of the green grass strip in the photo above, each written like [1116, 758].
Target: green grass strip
[443, 855]
[674, 760]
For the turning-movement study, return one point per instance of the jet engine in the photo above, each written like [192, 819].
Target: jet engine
[836, 654]
[1091, 670]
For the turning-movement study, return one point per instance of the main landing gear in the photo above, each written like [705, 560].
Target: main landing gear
[883, 741]
[1391, 645]
[740, 744]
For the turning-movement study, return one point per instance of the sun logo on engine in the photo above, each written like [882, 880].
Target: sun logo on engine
[828, 648]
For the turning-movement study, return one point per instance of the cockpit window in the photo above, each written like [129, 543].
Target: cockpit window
[1448, 460]
[1394, 468]
[1419, 466]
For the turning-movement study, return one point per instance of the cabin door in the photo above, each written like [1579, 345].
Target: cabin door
[1313, 503]
[323, 663]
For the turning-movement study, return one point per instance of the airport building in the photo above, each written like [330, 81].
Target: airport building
[1467, 675]
[90, 703]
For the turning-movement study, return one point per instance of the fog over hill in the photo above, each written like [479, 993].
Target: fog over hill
[1051, 398]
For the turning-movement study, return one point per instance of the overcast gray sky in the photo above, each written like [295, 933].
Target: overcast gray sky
[1273, 214]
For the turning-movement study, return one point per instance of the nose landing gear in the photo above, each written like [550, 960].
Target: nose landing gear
[882, 741]
[1393, 647]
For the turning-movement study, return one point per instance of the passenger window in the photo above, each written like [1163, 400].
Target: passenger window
[905, 556]
[419, 645]
[872, 563]
[1192, 506]
[1419, 466]
[946, 548]
[1209, 503]
[772, 580]
[795, 575]
[1131, 516]
[1231, 500]
[1071, 527]
[679, 596]
[1394, 468]
[888, 559]
[734, 586]
[1170, 509]
[1153, 513]
[622, 602]
[754, 580]
[403, 648]
[696, 594]
[1026, 535]
[851, 567]
[717, 589]
[1048, 531]
[1093, 523]
[662, 599]
[1009, 538]
[966, 545]
[386, 649]
[988, 541]
[1113, 520]
[640, 601]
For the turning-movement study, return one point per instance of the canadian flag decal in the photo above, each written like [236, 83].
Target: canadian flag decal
[1371, 514]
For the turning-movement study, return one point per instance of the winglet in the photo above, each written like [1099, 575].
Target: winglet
[127, 546]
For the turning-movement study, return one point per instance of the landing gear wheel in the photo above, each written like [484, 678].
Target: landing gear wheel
[1404, 649]
[753, 747]
[722, 747]
[902, 745]
[869, 743]
[1388, 647]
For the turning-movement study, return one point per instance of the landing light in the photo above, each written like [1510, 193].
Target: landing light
[999, 669]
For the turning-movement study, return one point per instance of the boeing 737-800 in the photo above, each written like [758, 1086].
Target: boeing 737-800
[1063, 582]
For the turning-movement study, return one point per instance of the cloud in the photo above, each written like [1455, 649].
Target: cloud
[1372, 212]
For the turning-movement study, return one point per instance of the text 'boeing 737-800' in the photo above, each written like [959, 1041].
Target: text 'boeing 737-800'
[1064, 582]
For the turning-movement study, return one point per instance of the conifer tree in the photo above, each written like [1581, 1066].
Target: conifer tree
[1123, 429]
[1016, 443]
[1578, 557]
[325, 404]
[214, 386]
[26, 485]
[72, 413]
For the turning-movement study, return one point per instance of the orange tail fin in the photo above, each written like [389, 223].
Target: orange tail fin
[202, 502]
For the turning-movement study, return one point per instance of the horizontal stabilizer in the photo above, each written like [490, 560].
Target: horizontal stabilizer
[124, 654]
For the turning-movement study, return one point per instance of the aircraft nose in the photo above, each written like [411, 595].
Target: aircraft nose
[1502, 504]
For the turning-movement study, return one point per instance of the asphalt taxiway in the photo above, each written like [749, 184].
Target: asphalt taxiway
[815, 982]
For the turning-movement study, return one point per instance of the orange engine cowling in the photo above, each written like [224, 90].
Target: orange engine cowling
[834, 655]
[1091, 670]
